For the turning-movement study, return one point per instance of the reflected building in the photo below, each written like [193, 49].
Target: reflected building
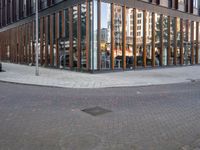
[94, 35]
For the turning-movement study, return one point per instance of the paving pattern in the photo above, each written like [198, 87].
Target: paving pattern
[68, 79]
[164, 117]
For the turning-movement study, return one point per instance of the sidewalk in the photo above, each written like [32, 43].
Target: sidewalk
[68, 79]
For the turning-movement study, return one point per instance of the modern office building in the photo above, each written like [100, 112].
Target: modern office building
[94, 35]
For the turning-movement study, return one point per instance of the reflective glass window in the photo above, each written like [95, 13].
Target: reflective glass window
[118, 25]
[195, 41]
[93, 36]
[157, 39]
[172, 24]
[189, 43]
[105, 35]
[83, 35]
[185, 41]
[178, 40]
[149, 38]
[129, 38]
[165, 39]
[139, 39]
[75, 52]
[199, 44]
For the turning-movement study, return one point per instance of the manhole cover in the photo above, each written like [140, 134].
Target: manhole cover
[96, 111]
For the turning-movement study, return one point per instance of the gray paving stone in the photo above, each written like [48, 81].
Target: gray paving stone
[68, 79]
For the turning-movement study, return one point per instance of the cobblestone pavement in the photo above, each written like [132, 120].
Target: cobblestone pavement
[68, 79]
[164, 117]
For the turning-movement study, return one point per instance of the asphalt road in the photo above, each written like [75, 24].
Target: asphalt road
[165, 117]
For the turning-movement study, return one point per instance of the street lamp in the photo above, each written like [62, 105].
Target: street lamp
[37, 50]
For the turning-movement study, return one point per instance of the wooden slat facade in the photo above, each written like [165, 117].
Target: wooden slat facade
[17, 44]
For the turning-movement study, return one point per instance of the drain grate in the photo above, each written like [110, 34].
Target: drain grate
[96, 111]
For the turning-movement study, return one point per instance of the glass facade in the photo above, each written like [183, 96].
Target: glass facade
[118, 26]
[103, 36]
[158, 42]
[129, 38]
[139, 34]
[165, 39]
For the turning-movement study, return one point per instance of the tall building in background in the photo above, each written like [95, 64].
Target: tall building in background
[95, 35]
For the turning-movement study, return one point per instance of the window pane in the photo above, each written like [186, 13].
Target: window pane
[172, 23]
[140, 26]
[149, 38]
[129, 38]
[75, 52]
[105, 35]
[157, 41]
[118, 36]
[165, 41]
[83, 35]
[178, 41]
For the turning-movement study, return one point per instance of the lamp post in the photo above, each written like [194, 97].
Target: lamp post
[37, 50]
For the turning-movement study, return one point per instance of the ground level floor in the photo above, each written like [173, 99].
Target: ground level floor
[95, 35]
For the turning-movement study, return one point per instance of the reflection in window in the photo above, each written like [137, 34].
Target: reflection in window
[93, 27]
[165, 39]
[189, 43]
[129, 38]
[105, 36]
[199, 45]
[195, 41]
[83, 35]
[118, 36]
[178, 41]
[149, 38]
[66, 55]
[157, 39]
[139, 39]
[75, 52]
[54, 39]
[184, 42]
[48, 40]
[172, 24]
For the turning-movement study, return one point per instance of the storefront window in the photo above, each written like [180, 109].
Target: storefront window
[172, 23]
[75, 52]
[48, 40]
[149, 38]
[54, 39]
[157, 40]
[165, 41]
[129, 38]
[189, 42]
[199, 45]
[195, 41]
[93, 37]
[83, 35]
[66, 56]
[139, 40]
[178, 40]
[185, 42]
[118, 26]
[105, 36]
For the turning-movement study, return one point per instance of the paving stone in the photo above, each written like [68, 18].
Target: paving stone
[68, 79]
[162, 117]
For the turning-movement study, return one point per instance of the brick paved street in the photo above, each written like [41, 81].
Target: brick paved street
[164, 117]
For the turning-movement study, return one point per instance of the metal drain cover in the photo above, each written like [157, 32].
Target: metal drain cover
[96, 111]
